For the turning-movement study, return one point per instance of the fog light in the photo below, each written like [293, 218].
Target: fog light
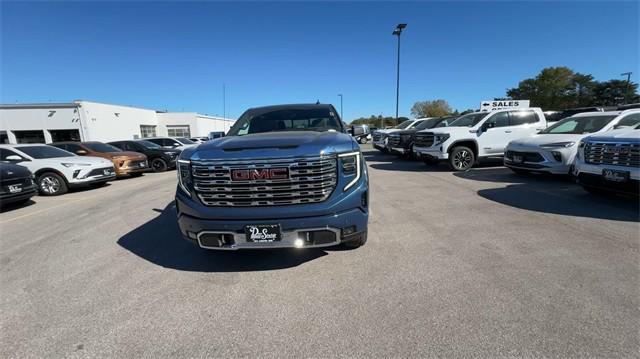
[298, 243]
[348, 230]
[192, 235]
[557, 156]
[76, 173]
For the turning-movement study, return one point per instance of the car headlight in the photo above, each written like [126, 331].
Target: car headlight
[350, 164]
[558, 144]
[67, 164]
[440, 138]
[184, 175]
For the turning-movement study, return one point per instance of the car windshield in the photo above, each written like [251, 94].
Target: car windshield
[468, 120]
[41, 152]
[311, 119]
[403, 125]
[184, 141]
[101, 147]
[148, 144]
[430, 123]
[579, 125]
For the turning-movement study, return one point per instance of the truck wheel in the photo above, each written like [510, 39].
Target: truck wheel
[158, 165]
[461, 159]
[357, 242]
[51, 184]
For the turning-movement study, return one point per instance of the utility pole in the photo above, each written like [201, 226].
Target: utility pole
[341, 117]
[397, 32]
[626, 94]
[224, 106]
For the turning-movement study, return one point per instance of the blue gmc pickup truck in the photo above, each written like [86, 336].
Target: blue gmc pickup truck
[284, 176]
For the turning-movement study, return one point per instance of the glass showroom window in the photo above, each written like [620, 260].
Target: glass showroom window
[178, 131]
[147, 131]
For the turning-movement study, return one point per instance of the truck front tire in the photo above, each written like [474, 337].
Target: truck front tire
[461, 159]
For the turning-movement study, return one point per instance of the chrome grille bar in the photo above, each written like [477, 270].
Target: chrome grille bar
[311, 180]
[608, 153]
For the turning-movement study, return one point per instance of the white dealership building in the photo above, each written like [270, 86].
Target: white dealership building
[93, 121]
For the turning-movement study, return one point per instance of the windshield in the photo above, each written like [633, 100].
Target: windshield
[579, 125]
[468, 120]
[403, 125]
[430, 123]
[40, 152]
[148, 144]
[101, 147]
[184, 141]
[260, 121]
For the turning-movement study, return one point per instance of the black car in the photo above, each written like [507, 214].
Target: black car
[160, 158]
[401, 142]
[16, 184]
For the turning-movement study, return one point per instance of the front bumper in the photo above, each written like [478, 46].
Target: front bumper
[591, 176]
[131, 166]
[434, 153]
[6, 198]
[306, 232]
[537, 159]
[94, 176]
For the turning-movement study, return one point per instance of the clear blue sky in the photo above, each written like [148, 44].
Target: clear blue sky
[176, 56]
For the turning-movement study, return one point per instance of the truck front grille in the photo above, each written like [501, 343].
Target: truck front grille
[616, 154]
[377, 136]
[311, 180]
[394, 141]
[424, 140]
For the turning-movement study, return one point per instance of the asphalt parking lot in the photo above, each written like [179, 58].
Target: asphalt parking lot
[482, 263]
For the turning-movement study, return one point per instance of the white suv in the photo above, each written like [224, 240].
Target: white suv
[610, 162]
[56, 170]
[477, 135]
[554, 150]
[380, 140]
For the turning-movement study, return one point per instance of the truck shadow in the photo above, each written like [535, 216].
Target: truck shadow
[552, 194]
[159, 241]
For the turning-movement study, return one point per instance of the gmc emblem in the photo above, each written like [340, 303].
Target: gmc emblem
[280, 173]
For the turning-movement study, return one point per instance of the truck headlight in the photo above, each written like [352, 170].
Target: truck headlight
[350, 164]
[440, 139]
[184, 175]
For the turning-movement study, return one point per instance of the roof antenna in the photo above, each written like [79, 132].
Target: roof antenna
[317, 102]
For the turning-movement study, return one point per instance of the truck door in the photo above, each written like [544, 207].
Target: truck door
[494, 136]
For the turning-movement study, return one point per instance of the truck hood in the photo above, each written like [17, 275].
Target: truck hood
[273, 145]
[543, 139]
[622, 134]
[458, 131]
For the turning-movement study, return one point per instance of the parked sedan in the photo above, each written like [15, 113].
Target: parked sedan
[176, 143]
[57, 170]
[554, 149]
[16, 184]
[160, 158]
[126, 163]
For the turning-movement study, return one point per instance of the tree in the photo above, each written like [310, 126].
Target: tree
[435, 108]
[614, 92]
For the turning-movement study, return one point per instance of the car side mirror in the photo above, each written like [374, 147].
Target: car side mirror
[14, 158]
[81, 152]
[487, 125]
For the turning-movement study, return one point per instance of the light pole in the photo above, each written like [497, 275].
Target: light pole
[398, 32]
[626, 94]
[342, 118]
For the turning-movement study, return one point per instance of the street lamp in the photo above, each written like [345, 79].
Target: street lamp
[341, 107]
[626, 94]
[397, 32]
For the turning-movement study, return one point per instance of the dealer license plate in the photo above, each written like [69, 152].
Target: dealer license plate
[615, 175]
[262, 233]
[16, 188]
[518, 159]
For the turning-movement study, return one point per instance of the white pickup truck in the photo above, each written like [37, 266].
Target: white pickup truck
[477, 135]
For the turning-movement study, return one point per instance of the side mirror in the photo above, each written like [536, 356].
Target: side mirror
[487, 125]
[13, 158]
[81, 152]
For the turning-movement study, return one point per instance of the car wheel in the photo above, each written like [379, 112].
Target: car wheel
[158, 165]
[461, 159]
[51, 184]
[520, 172]
[357, 242]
